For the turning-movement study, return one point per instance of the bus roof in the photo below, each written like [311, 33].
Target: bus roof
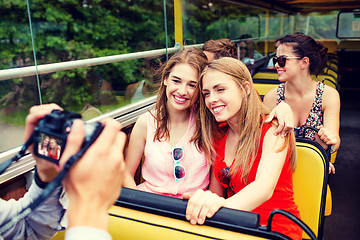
[303, 6]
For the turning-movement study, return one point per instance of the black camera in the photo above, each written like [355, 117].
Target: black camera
[49, 137]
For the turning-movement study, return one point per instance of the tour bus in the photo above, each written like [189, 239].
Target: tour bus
[99, 59]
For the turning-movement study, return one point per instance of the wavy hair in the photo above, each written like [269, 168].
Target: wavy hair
[252, 115]
[221, 48]
[197, 60]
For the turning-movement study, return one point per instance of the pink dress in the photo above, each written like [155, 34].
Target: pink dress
[158, 167]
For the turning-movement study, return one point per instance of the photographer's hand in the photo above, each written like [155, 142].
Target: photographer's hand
[46, 169]
[94, 182]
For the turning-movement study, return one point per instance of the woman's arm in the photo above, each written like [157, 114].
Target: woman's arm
[135, 150]
[282, 112]
[197, 201]
[270, 98]
[329, 132]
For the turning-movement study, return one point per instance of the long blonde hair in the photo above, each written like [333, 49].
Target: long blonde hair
[197, 60]
[252, 115]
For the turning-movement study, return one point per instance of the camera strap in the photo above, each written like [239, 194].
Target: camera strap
[20, 154]
[50, 187]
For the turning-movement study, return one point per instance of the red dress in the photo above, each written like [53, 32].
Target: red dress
[54, 156]
[282, 197]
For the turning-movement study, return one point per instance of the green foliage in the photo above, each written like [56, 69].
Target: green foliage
[66, 30]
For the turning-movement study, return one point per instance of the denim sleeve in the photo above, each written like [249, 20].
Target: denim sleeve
[41, 223]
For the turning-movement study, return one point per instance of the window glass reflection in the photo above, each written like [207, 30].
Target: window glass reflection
[72, 30]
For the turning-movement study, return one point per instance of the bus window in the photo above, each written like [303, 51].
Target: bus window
[348, 25]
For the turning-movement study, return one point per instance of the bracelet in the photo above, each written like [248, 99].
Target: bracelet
[333, 148]
[38, 181]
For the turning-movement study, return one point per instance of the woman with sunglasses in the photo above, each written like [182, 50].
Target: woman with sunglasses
[252, 168]
[314, 104]
[174, 162]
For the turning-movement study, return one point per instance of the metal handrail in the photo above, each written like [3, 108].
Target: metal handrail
[126, 115]
[54, 67]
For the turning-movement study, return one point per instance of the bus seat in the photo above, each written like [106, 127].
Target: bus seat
[333, 57]
[266, 74]
[333, 157]
[260, 46]
[265, 80]
[326, 79]
[331, 44]
[310, 184]
[333, 65]
[330, 70]
[349, 44]
[328, 202]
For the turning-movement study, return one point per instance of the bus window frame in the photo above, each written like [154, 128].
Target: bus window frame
[355, 12]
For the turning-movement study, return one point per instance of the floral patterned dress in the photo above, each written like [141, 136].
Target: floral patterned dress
[316, 116]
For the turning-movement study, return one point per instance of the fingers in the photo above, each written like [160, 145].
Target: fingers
[118, 164]
[270, 117]
[203, 205]
[282, 112]
[326, 136]
[36, 113]
[280, 128]
[284, 127]
[74, 141]
[186, 196]
[46, 170]
[331, 168]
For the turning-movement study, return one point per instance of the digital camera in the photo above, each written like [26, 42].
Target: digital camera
[49, 137]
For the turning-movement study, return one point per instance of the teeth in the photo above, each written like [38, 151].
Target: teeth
[180, 99]
[218, 109]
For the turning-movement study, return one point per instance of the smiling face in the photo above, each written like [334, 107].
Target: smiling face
[222, 95]
[181, 87]
[292, 66]
[53, 144]
[46, 142]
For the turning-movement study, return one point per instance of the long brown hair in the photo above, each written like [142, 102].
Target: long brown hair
[221, 48]
[252, 115]
[197, 60]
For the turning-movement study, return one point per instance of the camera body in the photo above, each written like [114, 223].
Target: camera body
[49, 137]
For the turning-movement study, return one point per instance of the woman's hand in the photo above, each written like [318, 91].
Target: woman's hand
[202, 205]
[331, 168]
[46, 169]
[283, 113]
[327, 136]
[94, 182]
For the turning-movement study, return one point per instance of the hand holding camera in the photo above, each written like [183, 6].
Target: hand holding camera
[49, 137]
[89, 164]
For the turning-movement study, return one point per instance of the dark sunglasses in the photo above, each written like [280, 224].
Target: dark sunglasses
[243, 48]
[224, 176]
[282, 60]
[179, 170]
